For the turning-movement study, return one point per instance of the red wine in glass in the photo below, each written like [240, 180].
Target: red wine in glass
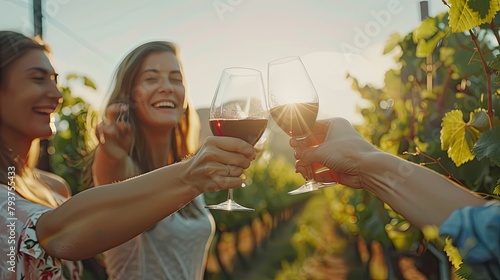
[249, 130]
[296, 119]
[294, 104]
[239, 109]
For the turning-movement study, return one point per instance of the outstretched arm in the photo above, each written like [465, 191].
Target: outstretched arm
[98, 219]
[421, 195]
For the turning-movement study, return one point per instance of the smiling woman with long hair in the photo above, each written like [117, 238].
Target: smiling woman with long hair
[149, 124]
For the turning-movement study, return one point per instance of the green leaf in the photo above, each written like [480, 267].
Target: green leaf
[458, 137]
[467, 14]
[479, 6]
[495, 63]
[497, 80]
[464, 272]
[480, 120]
[372, 222]
[426, 29]
[392, 43]
[446, 55]
[88, 82]
[426, 47]
[71, 76]
[451, 128]
[488, 145]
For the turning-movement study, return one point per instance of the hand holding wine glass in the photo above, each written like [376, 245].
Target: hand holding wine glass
[239, 109]
[294, 104]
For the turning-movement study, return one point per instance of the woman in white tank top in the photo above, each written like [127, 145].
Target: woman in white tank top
[150, 124]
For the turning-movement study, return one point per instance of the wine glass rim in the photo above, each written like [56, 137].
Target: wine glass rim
[285, 59]
[242, 71]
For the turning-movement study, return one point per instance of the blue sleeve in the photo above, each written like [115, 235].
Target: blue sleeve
[475, 232]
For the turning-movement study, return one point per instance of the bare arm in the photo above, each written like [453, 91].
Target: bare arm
[422, 196]
[98, 219]
[107, 169]
[112, 162]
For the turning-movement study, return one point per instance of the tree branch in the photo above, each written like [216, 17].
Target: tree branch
[487, 71]
[435, 161]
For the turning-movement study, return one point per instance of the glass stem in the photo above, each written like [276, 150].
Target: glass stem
[230, 194]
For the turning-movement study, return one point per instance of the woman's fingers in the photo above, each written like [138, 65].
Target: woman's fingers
[224, 183]
[219, 163]
[115, 127]
[327, 176]
[234, 145]
[217, 168]
[234, 171]
[316, 137]
[318, 172]
[116, 112]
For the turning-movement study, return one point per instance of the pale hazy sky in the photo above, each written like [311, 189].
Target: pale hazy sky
[333, 37]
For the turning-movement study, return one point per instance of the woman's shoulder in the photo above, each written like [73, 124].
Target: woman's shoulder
[55, 182]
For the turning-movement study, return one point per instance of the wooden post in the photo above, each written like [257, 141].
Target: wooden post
[37, 18]
[43, 161]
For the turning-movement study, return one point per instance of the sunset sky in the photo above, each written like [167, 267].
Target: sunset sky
[333, 37]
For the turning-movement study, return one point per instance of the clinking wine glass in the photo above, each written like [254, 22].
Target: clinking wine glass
[294, 104]
[239, 109]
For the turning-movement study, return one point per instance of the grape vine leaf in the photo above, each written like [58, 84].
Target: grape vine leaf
[452, 252]
[372, 222]
[488, 145]
[458, 137]
[426, 47]
[495, 67]
[479, 119]
[446, 55]
[467, 14]
[88, 82]
[480, 6]
[464, 272]
[71, 76]
[427, 36]
[426, 29]
[392, 42]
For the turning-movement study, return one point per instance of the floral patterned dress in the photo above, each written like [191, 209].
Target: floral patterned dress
[22, 257]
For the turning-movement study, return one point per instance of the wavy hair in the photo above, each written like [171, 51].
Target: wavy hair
[13, 46]
[185, 137]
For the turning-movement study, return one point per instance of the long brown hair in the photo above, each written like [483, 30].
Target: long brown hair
[184, 139]
[13, 46]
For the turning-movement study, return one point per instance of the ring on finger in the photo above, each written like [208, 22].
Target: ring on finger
[228, 171]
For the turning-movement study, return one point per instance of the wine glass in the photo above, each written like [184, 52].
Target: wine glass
[294, 104]
[239, 109]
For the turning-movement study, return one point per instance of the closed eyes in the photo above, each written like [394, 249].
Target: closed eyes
[41, 75]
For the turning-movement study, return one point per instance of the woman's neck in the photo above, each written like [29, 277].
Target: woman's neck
[159, 144]
[19, 147]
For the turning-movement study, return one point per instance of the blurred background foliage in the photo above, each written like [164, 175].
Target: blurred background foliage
[437, 108]
[75, 137]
